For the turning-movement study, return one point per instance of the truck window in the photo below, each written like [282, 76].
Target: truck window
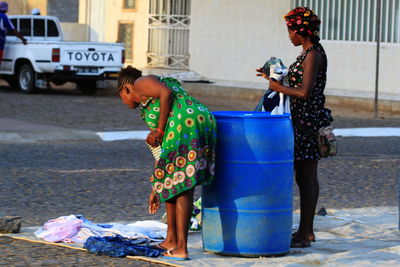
[25, 27]
[15, 23]
[38, 27]
[52, 30]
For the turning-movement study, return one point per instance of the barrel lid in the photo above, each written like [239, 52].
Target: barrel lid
[248, 114]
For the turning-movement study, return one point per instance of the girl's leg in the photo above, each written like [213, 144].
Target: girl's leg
[183, 213]
[170, 240]
[306, 178]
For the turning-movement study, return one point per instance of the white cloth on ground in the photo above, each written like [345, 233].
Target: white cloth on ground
[77, 229]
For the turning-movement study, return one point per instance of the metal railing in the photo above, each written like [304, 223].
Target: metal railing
[169, 34]
[355, 20]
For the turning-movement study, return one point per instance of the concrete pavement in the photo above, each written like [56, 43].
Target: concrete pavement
[17, 131]
[108, 181]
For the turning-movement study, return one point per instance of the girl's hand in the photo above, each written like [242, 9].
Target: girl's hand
[154, 138]
[154, 203]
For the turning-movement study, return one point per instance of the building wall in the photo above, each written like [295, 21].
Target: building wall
[65, 10]
[231, 38]
[74, 32]
[20, 7]
[352, 67]
[102, 18]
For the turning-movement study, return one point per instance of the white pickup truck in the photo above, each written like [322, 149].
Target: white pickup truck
[47, 58]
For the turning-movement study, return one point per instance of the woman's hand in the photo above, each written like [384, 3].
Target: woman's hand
[154, 138]
[261, 73]
[154, 203]
[273, 84]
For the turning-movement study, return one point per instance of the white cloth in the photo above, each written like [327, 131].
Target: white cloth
[284, 105]
[77, 229]
[60, 229]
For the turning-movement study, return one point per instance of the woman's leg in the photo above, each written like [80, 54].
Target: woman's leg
[306, 178]
[171, 239]
[183, 213]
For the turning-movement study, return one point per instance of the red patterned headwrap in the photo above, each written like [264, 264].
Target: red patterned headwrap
[303, 21]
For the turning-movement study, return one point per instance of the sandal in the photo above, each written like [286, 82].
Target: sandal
[168, 255]
[299, 243]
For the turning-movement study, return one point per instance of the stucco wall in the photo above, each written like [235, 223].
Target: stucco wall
[22, 7]
[74, 31]
[352, 68]
[103, 17]
[230, 38]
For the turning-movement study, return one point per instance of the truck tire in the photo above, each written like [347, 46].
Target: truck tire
[87, 87]
[26, 79]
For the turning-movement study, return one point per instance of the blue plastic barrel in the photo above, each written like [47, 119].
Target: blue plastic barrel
[247, 210]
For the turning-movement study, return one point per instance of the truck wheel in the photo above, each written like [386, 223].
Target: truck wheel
[87, 87]
[26, 79]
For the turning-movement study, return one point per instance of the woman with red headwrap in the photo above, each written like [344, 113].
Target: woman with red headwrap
[307, 79]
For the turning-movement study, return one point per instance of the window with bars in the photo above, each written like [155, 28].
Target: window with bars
[168, 45]
[125, 35]
[355, 20]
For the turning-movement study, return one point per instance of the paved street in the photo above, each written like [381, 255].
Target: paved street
[108, 181]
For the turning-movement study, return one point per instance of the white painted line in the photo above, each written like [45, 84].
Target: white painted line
[123, 135]
[345, 132]
[367, 132]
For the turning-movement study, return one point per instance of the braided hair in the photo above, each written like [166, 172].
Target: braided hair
[128, 75]
[304, 22]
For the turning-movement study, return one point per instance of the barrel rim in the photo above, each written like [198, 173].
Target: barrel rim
[248, 114]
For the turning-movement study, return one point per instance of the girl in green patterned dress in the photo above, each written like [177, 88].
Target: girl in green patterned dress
[186, 131]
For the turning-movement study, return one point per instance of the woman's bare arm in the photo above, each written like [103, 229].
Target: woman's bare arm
[311, 65]
[149, 87]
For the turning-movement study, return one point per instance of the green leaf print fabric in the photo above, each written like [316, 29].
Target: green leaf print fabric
[189, 144]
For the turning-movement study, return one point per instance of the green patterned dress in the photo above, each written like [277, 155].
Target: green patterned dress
[188, 148]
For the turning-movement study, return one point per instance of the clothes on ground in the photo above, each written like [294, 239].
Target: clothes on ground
[77, 229]
[118, 246]
[189, 145]
[5, 26]
[61, 229]
[308, 115]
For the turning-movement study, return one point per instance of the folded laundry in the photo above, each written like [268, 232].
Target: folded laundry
[155, 230]
[118, 246]
[60, 229]
[77, 229]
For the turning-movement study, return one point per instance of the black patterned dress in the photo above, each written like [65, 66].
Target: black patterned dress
[308, 115]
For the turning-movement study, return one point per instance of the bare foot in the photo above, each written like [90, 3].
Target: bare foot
[167, 245]
[311, 237]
